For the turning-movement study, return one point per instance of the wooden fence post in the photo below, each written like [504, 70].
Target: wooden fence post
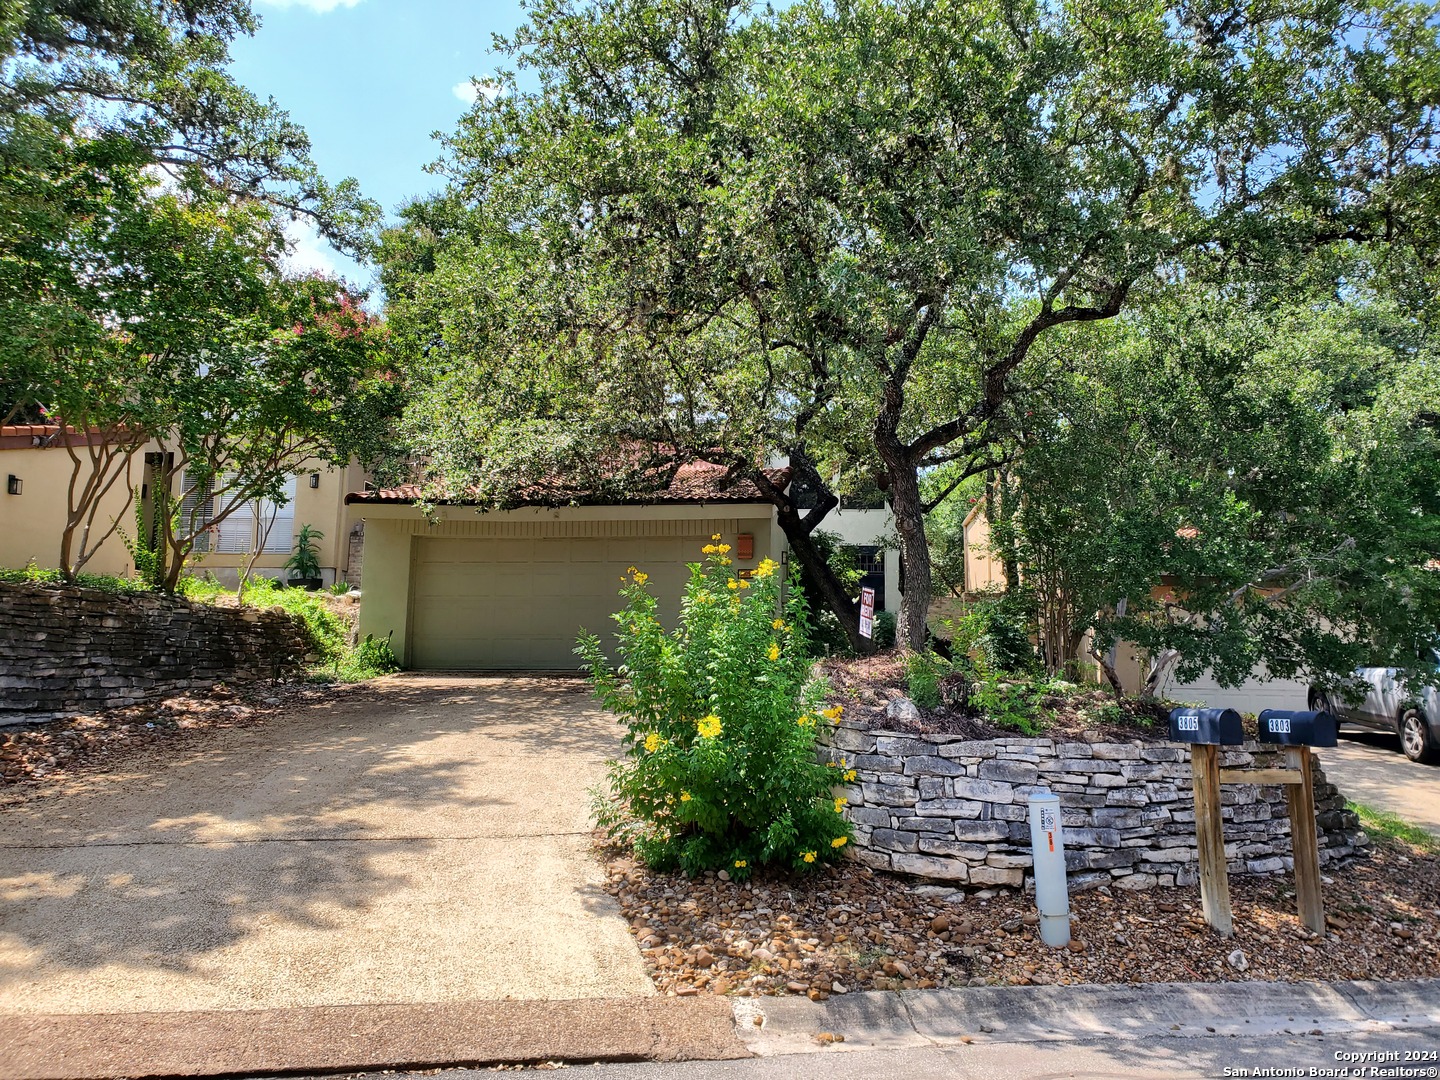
[1210, 838]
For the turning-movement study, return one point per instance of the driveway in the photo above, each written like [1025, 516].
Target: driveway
[1369, 768]
[423, 839]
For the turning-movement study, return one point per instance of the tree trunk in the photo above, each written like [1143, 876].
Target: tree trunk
[1159, 668]
[799, 532]
[912, 628]
[1111, 675]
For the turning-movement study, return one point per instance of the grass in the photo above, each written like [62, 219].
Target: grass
[1394, 829]
[35, 575]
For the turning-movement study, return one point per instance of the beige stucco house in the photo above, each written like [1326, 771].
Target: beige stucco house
[36, 467]
[513, 589]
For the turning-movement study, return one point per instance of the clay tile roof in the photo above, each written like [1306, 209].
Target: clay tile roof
[694, 482]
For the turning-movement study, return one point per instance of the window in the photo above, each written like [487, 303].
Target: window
[243, 530]
[870, 559]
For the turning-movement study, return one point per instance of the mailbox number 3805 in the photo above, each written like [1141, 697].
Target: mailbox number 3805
[1187, 723]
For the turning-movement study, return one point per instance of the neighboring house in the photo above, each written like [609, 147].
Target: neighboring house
[984, 572]
[512, 589]
[35, 463]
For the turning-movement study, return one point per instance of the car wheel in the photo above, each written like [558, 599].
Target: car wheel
[1415, 739]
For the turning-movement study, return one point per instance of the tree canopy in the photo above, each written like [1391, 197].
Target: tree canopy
[858, 228]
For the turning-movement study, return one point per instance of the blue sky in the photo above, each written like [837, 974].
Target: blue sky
[371, 81]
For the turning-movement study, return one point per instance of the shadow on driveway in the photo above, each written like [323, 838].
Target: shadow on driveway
[425, 839]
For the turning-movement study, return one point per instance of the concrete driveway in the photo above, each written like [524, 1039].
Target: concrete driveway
[425, 839]
[1369, 768]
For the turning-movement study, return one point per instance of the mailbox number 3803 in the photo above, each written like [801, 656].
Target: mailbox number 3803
[1280, 725]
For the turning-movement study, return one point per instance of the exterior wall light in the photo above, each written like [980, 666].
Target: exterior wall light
[314, 479]
[13, 484]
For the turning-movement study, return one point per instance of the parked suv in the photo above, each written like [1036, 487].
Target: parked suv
[1389, 705]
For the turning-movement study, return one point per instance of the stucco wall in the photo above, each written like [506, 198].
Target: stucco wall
[31, 523]
[943, 807]
[67, 650]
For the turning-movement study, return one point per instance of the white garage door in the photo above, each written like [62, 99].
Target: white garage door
[1251, 696]
[519, 603]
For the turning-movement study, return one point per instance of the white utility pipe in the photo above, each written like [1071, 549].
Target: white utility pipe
[1047, 843]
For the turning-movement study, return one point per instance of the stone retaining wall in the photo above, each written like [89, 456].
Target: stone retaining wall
[942, 807]
[66, 650]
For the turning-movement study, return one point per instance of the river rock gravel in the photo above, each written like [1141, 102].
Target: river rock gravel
[847, 928]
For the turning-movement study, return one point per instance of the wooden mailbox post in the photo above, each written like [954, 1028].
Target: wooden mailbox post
[1206, 730]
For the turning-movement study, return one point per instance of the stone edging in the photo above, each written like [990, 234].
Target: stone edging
[954, 810]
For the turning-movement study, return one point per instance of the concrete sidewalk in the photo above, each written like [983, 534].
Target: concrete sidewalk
[1144, 1026]
[990, 1014]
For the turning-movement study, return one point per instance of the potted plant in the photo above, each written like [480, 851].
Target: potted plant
[304, 565]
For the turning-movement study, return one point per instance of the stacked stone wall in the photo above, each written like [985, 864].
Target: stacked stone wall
[955, 810]
[67, 650]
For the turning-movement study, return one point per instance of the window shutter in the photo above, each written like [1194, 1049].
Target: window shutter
[196, 506]
[282, 533]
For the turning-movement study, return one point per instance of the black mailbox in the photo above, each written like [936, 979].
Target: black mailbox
[1220, 727]
[1298, 728]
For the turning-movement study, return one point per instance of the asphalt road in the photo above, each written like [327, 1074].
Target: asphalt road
[1369, 768]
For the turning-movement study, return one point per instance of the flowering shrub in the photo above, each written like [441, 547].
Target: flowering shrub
[721, 715]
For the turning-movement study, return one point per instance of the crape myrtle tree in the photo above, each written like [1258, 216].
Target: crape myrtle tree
[142, 198]
[849, 225]
[99, 102]
[1231, 485]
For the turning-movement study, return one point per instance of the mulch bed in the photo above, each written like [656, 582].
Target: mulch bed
[39, 757]
[847, 928]
[867, 685]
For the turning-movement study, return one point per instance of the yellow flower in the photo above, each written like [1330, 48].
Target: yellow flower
[809, 856]
[740, 864]
[653, 742]
[839, 841]
[732, 584]
[840, 804]
[832, 713]
[709, 549]
[850, 776]
[715, 536]
[774, 652]
[630, 569]
[744, 584]
[684, 796]
[722, 562]
[778, 624]
[723, 549]
[804, 720]
[640, 577]
[766, 568]
[708, 726]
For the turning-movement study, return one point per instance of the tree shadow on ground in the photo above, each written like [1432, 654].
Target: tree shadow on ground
[317, 821]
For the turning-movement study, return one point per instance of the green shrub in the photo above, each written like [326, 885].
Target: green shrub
[923, 672]
[1011, 703]
[885, 630]
[200, 590]
[997, 630]
[368, 659]
[32, 574]
[325, 631]
[720, 715]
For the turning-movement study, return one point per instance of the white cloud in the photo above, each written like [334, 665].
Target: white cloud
[320, 7]
[308, 252]
[471, 90]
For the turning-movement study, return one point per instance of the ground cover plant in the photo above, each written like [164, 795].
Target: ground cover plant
[721, 715]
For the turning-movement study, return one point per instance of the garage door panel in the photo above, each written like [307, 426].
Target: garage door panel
[505, 603]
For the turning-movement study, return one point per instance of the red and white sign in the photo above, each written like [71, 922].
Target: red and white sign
[867, 613]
